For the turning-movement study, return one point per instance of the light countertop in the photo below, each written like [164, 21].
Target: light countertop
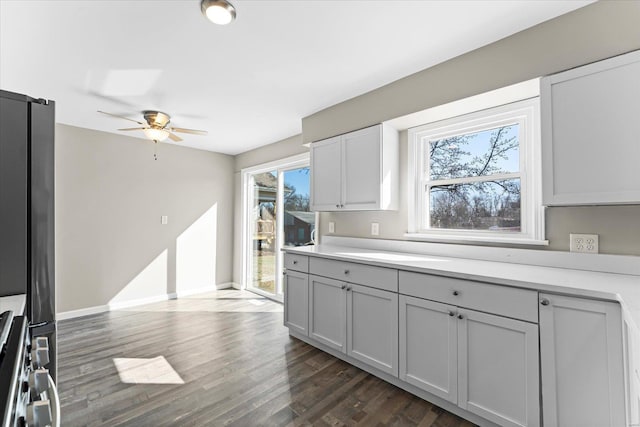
[15, 303]
[623, 288]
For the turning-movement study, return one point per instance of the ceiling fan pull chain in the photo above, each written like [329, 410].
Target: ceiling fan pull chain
[155, 150]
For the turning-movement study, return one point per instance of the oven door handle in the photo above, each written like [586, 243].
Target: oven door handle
[55, 408]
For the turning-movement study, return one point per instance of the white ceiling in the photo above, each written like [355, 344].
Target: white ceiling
[248, 83]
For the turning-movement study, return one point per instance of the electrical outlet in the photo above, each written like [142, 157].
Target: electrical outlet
[332, 227]
[375, 229]
[586, 243]
[164, 220]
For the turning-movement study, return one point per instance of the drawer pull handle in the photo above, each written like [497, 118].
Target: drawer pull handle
[544, 301]
[460, 316]
[451, 313]
[456, 293]
[295, 262]
[343, 286]
[346, 272]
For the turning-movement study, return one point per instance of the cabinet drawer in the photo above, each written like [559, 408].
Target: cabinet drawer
[502, 300]
[375, 277]
[296, 262]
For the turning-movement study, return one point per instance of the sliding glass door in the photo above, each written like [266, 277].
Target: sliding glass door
[276, 214]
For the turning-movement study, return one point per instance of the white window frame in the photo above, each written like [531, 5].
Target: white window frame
[526, 114]
[281, 166]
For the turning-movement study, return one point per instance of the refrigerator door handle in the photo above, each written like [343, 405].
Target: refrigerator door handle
[55, 409]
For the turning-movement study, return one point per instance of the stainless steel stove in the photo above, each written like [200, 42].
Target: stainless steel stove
[28, 395]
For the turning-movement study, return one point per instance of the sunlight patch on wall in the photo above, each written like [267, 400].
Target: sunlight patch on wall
[151, 281]
[196, 253]
[146, 371]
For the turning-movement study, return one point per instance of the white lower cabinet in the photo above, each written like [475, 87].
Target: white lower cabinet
[498, 375]
[486, 364]
[327, 312]
[296, 301]
[357, 320]
[372, 327]
[582, 362]
[510, 356]
[429, 346]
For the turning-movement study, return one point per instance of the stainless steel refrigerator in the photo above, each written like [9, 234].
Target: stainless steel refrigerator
[27, 210]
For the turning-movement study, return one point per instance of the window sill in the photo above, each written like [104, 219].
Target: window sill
[457, 238]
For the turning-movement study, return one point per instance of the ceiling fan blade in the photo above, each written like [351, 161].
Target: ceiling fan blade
[127, 129]
[121, 117]
[191, 131]
[174, 137]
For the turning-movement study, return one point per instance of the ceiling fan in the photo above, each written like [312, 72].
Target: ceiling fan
[157, 126]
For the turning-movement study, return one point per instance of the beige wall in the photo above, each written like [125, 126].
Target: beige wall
[598, 31]
[278, 150]
[110, 195]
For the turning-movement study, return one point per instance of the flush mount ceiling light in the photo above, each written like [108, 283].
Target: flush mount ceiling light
[219, 12]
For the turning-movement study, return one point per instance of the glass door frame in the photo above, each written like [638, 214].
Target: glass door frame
[281, 166]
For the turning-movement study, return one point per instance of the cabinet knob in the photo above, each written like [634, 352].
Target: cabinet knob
[348, 288]
[337, 206]
[346, 272]
[451, 313]
[460, 316]
[342, 206]
[295, 262]
[456, 293]
[343, 286]
[544, 301]
[284, 273]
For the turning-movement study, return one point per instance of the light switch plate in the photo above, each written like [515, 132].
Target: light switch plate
[164, 220]
[332, 227]
[585, 243]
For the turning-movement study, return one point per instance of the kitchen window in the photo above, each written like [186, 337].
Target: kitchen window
[476, 177]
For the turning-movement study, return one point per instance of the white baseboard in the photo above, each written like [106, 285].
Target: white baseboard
[139, 301]
[64, 315]
[204, 289]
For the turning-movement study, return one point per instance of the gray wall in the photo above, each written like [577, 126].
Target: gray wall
[110, 195]
[595, 32]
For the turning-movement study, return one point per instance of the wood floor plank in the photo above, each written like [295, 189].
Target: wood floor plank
[239, 366]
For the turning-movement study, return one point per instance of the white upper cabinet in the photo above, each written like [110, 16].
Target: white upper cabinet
[356, 171]
[591, 133]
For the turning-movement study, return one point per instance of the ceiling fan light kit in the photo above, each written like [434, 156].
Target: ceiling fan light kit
[156, 134]
[157, 126]
[219, 12]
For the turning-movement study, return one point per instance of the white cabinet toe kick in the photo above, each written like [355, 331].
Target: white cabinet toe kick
[489, 352]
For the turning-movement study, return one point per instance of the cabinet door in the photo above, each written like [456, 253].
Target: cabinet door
[326, 176]
[296, 301]
[498, 376]
[582, 362]
[590, 131]
[372, 327]
[361, 169]
[327, 311]
[429, 346]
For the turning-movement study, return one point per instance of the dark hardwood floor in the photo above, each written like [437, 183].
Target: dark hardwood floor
[220, 359]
